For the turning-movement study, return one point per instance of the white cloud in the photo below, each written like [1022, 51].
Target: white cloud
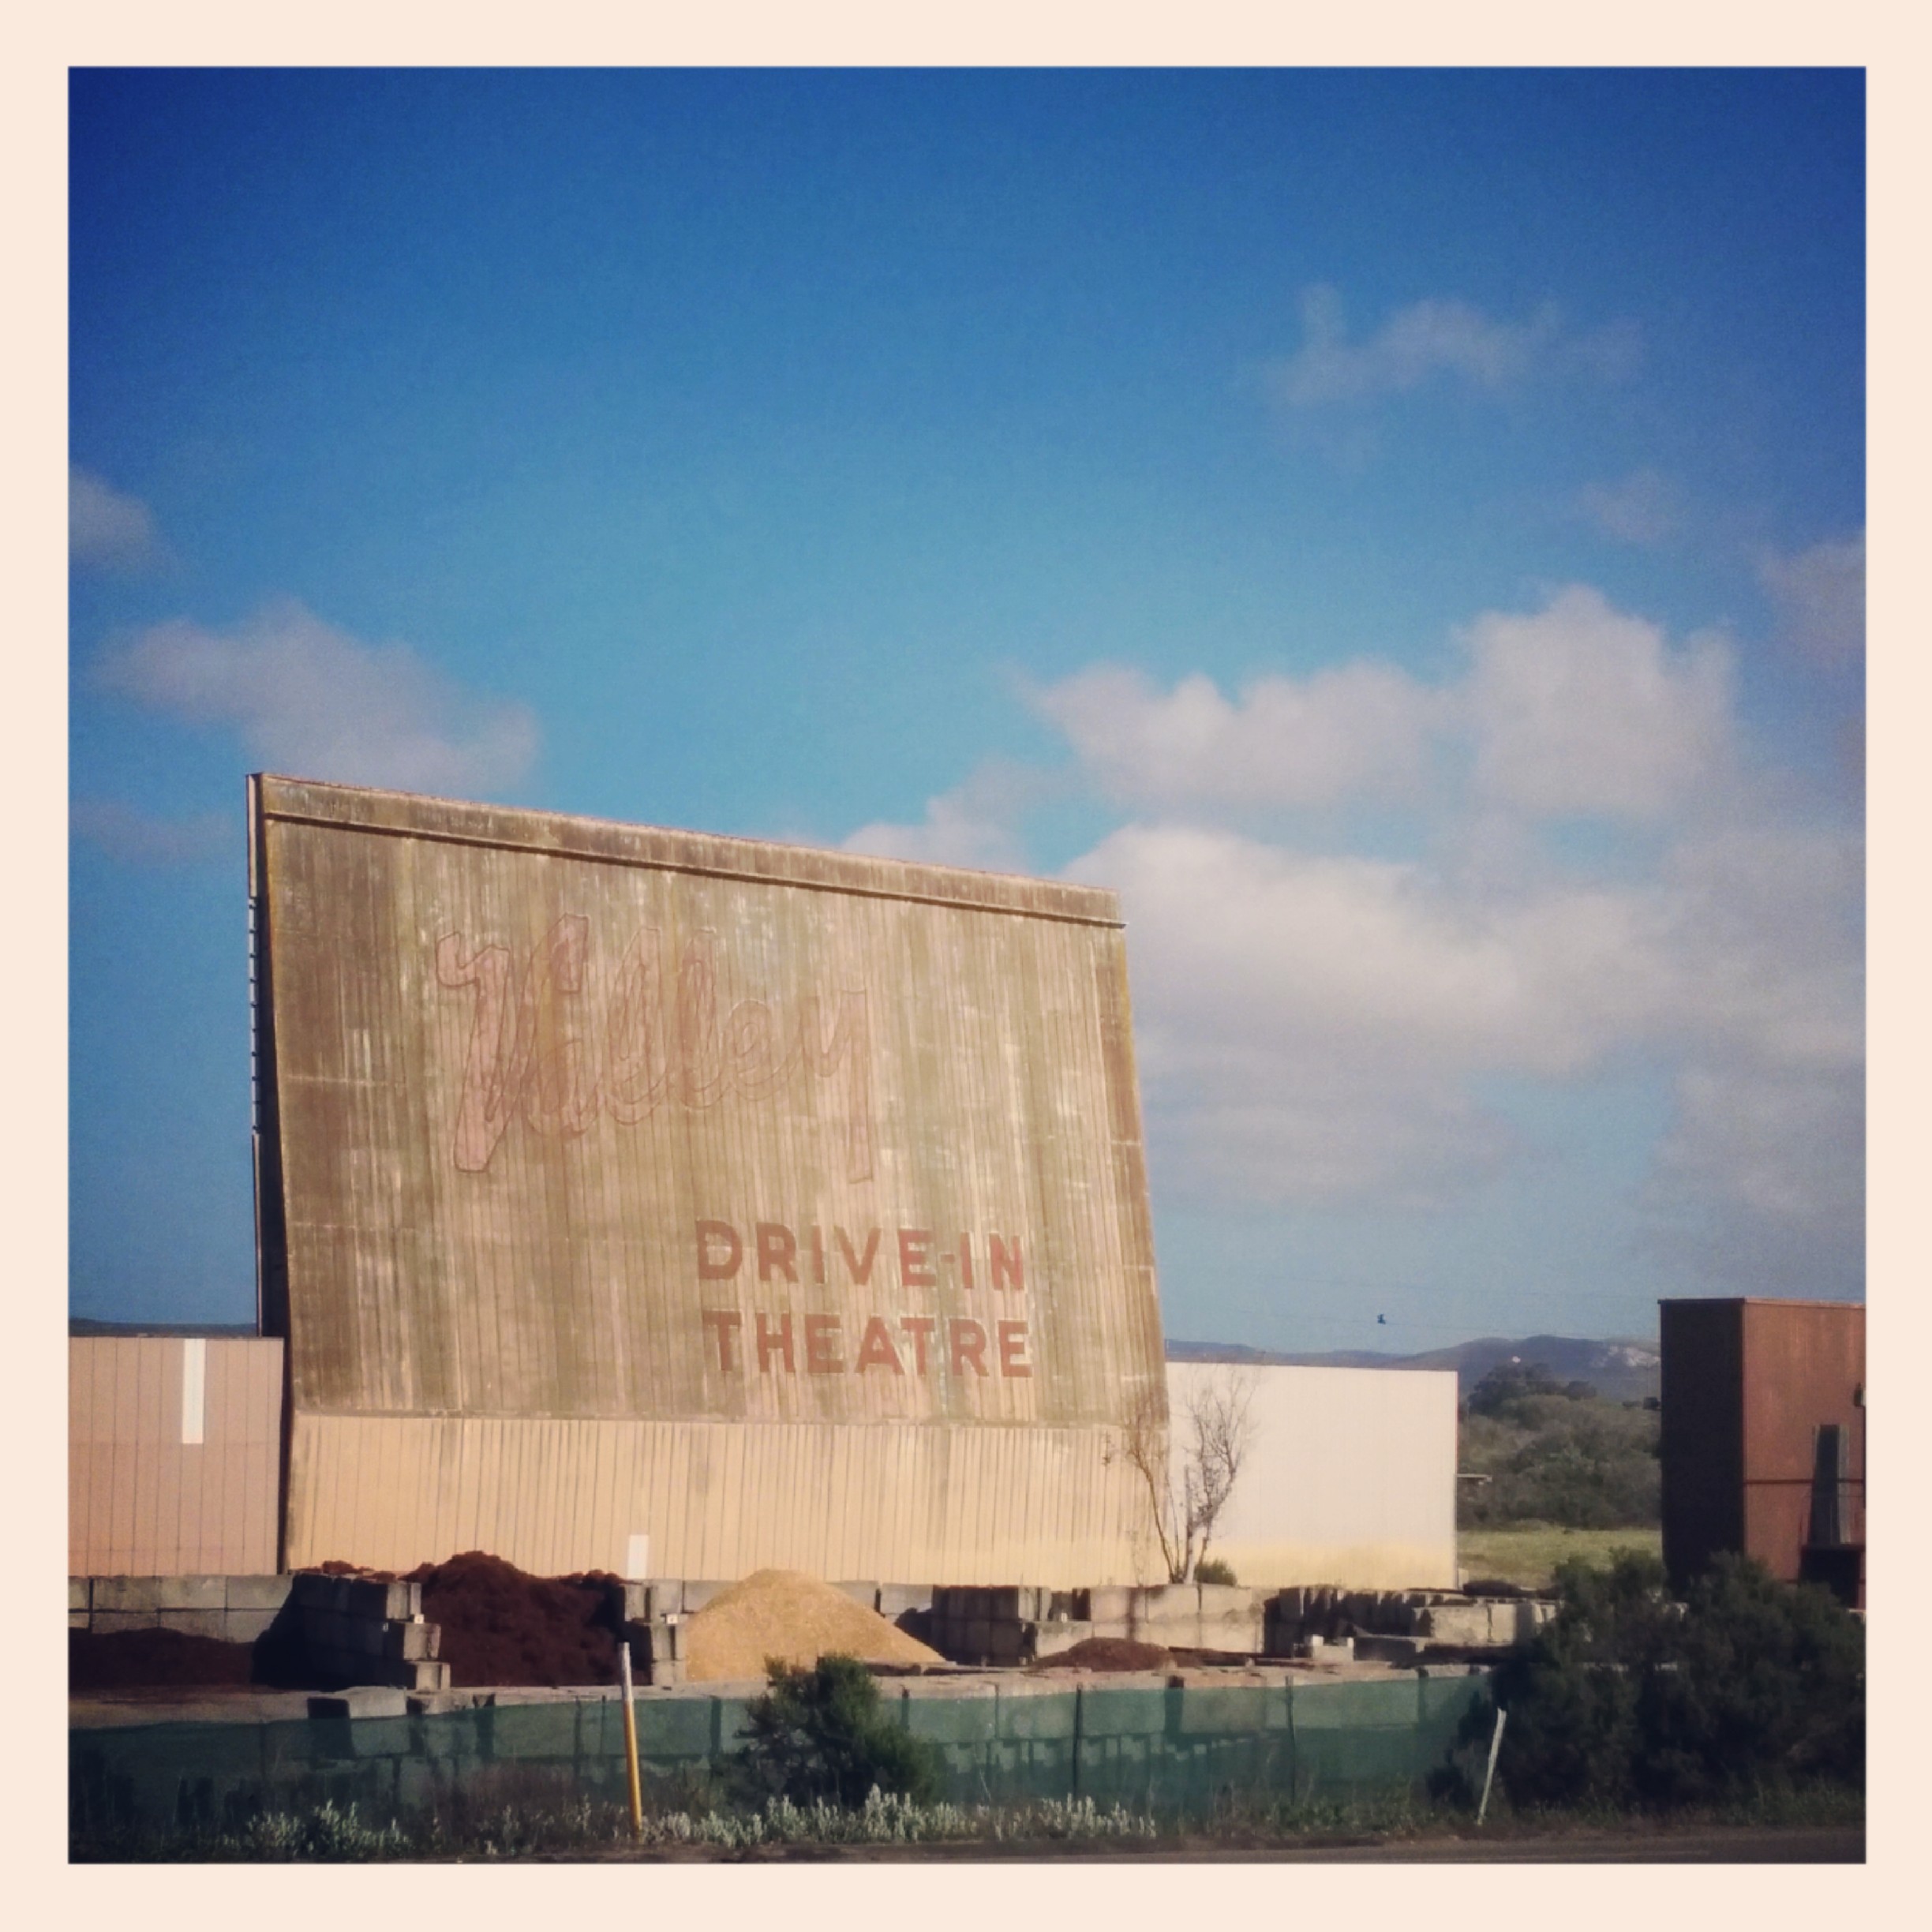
[976, 824]
[1579, 708]
[1321, 1025]
[1361, 728]
[137, 839]
[1642, 507]
[1439, 337]
[1819, 596]
[1317, 1027]
[107, 528]
[312, 702]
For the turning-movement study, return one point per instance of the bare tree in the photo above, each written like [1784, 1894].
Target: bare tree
[1189, 1481]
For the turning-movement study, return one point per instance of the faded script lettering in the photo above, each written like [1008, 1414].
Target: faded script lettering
[542, 1044]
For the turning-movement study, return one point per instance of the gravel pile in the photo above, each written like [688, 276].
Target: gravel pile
[1108, 1653]
[794, 1617]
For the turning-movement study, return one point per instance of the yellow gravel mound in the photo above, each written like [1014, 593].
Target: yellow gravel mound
[795, 1618]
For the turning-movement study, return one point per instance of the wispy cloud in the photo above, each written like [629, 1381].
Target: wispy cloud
[975, 824]
[311, 700]
[1642, 507]
[136, 838]
[1819, 596]
[1359, 729]
[106, 528]
[1439, 338]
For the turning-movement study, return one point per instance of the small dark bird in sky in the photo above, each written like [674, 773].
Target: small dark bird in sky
[1382, 1321]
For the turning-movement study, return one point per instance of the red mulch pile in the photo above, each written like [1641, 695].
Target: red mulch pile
[140, 1658]
[502, 1626]
[1109, 1653]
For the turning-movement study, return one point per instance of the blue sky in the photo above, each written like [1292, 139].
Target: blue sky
[1405, 531]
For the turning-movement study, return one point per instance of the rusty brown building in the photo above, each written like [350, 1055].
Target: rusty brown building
[1763, 1437]
[673, 1204]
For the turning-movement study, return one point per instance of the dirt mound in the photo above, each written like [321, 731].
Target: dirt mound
[148, 1659]
[795, 1618]
[501, 1626]
[1109, 1653]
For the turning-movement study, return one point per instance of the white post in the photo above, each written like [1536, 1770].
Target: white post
[1496, 1744]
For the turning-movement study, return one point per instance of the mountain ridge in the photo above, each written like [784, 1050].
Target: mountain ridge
[1620, 1367]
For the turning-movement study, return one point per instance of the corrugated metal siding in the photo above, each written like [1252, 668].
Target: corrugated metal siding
[1804, 1362]
[894, 1502]
[502, 1225]
[141, 1501]
[1351, 1478]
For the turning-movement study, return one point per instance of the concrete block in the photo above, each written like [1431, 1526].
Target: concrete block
[1050, 1639]
[1456, 1623]
[79, 1590]
[191, 1593]
[76, 1619]
[127, 1595]
[1007, 1641]
[897, 1599]
[363, 1701]
[106, 1623]
[698, 1595]
[387, 1602]
[245, 1626]
[311, 1590]
[865, 1594]
[197, 1623]
[662, 1671]
[1111, 1603]
[410, 1642]
[257, 1592]
[425, 1673]
[1158, 1604]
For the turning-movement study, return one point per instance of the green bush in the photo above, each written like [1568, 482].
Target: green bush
[820, 1735]
[1749, 1687]
[1213, 1571]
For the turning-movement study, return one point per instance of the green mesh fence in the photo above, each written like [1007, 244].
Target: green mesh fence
[1173, 1749]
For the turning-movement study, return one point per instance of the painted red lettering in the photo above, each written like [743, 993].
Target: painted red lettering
[1013, 1345]
[915, 1258]
[919, 1327]
[965, 1255]
[775, 1248]
[876, 1350]
[969, 1340]
[727, 1322]
[821, 1333]
[718, 1267]
[775, 1343]
[1009, 1270]
[860, 1265]
[817, 1248]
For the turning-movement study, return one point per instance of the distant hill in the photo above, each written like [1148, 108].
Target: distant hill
[1621, 1369]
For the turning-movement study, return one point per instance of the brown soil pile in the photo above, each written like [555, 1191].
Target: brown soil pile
[797, 1619]
[1109, 1653]
[503, 1627]
[145, 1659]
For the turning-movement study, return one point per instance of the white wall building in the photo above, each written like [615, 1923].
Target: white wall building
[1350, 1479]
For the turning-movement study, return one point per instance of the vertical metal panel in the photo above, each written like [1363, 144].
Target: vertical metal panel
[516, 1059]
[143, 1503]
[1701, 1432]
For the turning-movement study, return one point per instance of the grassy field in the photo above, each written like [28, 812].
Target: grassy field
[1527, 1553]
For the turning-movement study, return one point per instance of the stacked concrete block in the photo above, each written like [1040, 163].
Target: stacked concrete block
[355, 1630]
[230, 1609]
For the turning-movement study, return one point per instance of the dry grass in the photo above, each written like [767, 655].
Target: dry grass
[1528, 1553]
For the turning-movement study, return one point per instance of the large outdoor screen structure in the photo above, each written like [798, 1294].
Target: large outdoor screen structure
[676, 1205]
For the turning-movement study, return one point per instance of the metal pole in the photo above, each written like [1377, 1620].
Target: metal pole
[630, 1737]
[1496, 1744]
